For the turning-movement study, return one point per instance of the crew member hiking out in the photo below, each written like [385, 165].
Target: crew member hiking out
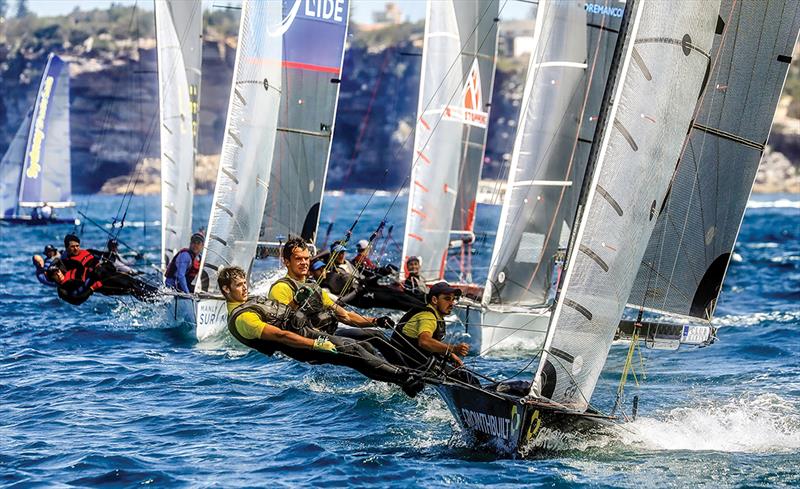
[419, 335]
[269, 326]
[42, 264]
[83, 262]
[295, 291]
[185, 265]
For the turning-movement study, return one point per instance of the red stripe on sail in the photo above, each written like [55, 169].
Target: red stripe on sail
[310, 67]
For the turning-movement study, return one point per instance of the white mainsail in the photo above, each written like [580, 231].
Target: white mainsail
[179, 26]
[248, 144]
[451, 100]
[665, 59]
[540, 184]
[685, 262]
[11, 169]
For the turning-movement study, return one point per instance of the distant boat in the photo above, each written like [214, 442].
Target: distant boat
[35, 172]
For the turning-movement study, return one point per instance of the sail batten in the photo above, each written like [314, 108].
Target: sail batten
[633, 166]
[179, 44]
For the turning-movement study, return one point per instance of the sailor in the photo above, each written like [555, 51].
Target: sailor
[83, 262]
[362, 256]
[42, 264]
[339, 258]
[71, 288]
[318, 271]
[185, 265]
[112, 255]
[419, 335]
[295, 291]
[269, 326]
[414, 283]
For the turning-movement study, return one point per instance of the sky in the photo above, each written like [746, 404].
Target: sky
[362, 9]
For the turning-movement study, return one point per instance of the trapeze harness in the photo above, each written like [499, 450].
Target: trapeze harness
[272, 312]
[410, 346]
[311, 305]
[191, 273]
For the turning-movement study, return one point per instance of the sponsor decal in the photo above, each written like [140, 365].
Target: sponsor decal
[486, 423]
[332, 10]
[596, 8]
[472, 99]
[210, 313]
[534, 427]
[38, 133]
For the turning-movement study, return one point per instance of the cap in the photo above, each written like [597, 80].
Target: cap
[197, 238]
[49, 248]
[443, 288]
[338, 248]
[362, 245]
[317, 265]
[70, 238]
[112, 242]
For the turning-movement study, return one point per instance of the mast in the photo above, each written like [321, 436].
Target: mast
[450, 108]
[688, 254]
[247, 147]
[665, 60]
[312, 67]
[47, 175]
[179, 40]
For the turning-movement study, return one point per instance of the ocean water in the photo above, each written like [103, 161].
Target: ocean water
[112, 394]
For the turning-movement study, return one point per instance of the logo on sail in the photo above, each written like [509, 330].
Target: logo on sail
[471, 112]
[38, 134]
[320, 9]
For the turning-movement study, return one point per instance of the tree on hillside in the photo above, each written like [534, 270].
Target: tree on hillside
[22, 9]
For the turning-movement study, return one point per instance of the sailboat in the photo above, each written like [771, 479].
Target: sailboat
[674, 103]
[285, 56]
[179, 40]
[458, 64]
[35, 172]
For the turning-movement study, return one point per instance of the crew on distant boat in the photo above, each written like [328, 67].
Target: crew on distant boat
[418, 336]
[269, 326]
[42, 213]
[295, 291]
[361, 259]
[42, 264]
[414, 282]
[185, 265]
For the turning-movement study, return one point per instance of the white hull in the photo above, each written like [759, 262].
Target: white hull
[496, 328]
[206, 317]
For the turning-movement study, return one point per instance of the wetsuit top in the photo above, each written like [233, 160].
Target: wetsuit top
[246, 321]
[41, 274]
[77, 291]
[182, 270]
[415, 284]
[318, 308]
[364, 262]
[83, 264]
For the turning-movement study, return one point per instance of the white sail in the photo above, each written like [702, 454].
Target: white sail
[689, 251]
[437, 142]
[248, 144]
[666, 57]
[47, 175]
[179, 26]
[312, 65]
[540, 187]
[11, 169]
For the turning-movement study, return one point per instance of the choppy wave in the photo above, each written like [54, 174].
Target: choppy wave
[773, 204]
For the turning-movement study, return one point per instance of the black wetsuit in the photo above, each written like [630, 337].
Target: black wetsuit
[349, 352]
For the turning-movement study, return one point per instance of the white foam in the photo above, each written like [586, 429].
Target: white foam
[757, 318]
[765, 423]
[774, 204]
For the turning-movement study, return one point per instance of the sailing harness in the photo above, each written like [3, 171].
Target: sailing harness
[191, 273]
[271, 312]
[308, 297]
[408, 345]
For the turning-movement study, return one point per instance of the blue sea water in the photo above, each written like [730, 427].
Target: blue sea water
[112, 394]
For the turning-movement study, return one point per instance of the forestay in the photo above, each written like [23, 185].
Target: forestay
[449, 102]
[47, 176]
[248, 143]
[179, 26]
[689, 251]
[664, 62]
[313, 50]
[11, 169]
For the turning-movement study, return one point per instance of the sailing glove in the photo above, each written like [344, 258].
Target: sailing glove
[322, 344]
[384, 322]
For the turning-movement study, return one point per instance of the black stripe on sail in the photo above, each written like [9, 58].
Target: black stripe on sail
[784, 59]
[685, 43]
[594, 256]
[613, 203]
[602, 28]
[213, 267]
[562, 354]
[730, 137]
[224, 209]
[626, 135]
[585, 312]
[218, 239]
[637, 58]
[229, 174]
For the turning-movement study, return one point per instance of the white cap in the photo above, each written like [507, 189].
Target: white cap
[362, 245]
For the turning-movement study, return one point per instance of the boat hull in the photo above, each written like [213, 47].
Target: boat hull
[205, 317]
[509, 426]
[492, 329]
[39, 222]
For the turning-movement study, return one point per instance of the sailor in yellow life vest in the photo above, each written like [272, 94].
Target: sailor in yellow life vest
[268, 327]
[299, 293]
